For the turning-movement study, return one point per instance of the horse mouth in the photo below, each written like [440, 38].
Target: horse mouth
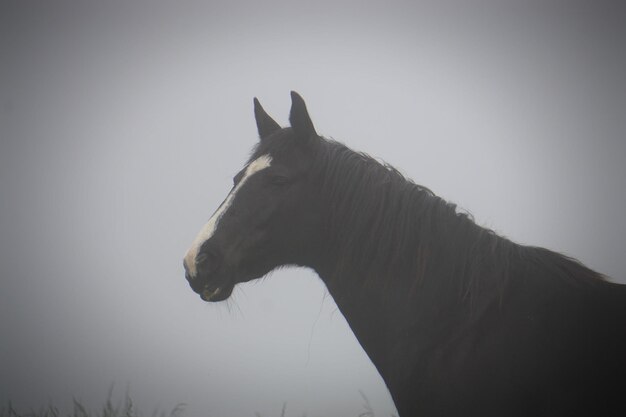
[216, 294]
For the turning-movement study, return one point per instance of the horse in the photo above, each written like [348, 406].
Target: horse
[458, 320]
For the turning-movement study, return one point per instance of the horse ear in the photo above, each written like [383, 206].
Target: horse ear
[264, 123]
[299, 117]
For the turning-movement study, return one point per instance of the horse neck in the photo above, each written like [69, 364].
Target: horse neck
[380, 301]
[412, 301]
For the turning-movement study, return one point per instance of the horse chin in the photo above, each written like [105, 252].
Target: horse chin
[212, 293]
[217, 294]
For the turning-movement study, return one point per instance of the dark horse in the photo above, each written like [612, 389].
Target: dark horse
[458, 320]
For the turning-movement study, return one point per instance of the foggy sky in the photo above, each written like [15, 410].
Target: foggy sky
[121, 126]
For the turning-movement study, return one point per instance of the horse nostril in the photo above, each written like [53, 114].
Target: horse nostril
[202, 258]
[207, 260]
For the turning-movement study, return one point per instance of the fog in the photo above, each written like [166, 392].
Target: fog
[122, 124]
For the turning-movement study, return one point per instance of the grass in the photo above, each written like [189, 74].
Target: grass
[127, 409]
[109, 409]
[79, 410]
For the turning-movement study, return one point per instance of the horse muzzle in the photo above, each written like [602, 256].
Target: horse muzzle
[201, 276]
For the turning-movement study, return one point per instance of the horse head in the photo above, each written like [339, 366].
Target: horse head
[270, 218]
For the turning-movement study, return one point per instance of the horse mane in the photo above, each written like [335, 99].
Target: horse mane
[385, 225]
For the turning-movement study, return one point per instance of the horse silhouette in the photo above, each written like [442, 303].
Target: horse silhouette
[458, 320]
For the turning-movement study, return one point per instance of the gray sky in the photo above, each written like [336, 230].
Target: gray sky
[122, 125]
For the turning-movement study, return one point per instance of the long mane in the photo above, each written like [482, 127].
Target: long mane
[385, 225]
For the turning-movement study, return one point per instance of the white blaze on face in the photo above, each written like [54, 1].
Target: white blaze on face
[209, 228]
